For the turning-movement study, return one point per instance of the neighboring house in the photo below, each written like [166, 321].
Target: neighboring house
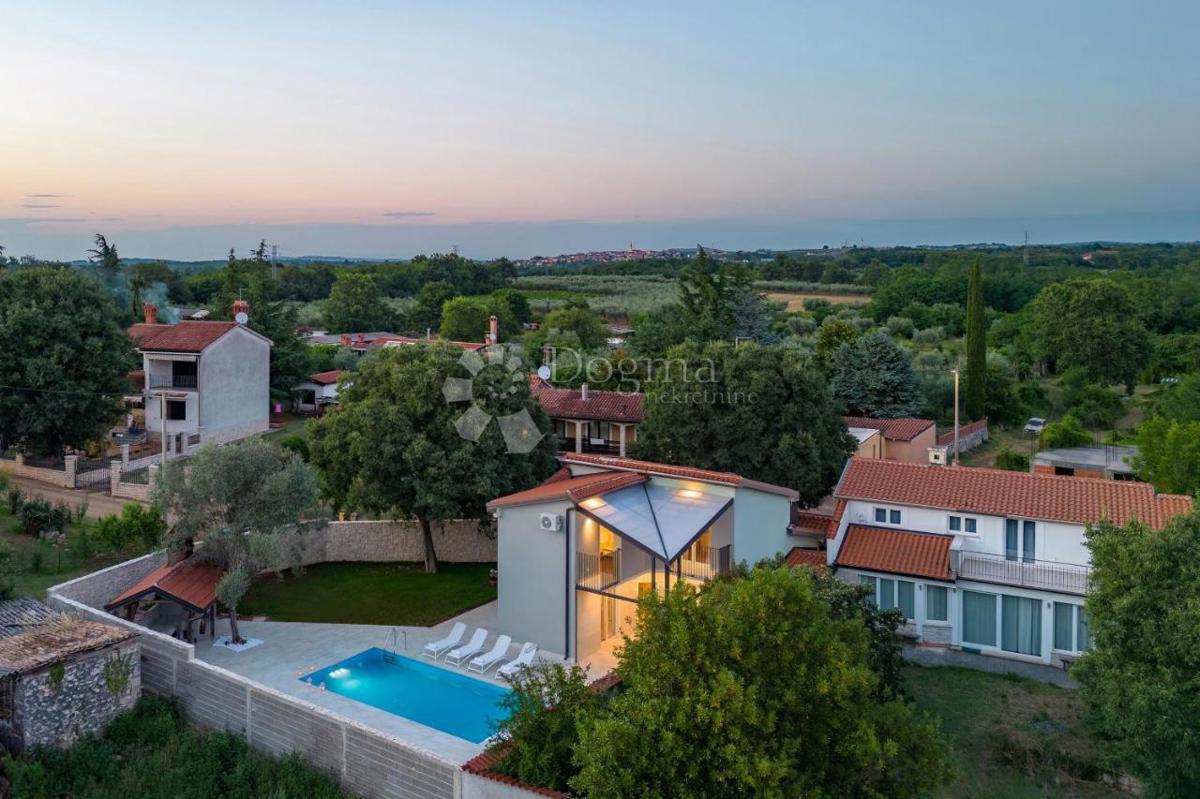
[209, 380]
[365, 342]
[61, 677]
[577, 551]
[870, 442]
[318, 392]
[980, 559]
[591, 421]
[1109, 462]
[905, 439]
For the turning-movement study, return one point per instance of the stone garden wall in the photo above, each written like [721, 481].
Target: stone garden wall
[458, 541]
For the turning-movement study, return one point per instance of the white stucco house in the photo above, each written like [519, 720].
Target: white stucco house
[319, 392]
[982, 560]
[575, 552]
[204, 380]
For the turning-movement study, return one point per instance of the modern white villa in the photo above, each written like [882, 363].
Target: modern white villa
[576, 552]
[984, 560]
[204, 380]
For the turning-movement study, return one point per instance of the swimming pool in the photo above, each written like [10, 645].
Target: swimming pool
[445, 700]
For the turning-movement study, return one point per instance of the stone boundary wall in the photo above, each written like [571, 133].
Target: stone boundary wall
[64, 478]
[364, 761]
[970, 436]
[458, 541]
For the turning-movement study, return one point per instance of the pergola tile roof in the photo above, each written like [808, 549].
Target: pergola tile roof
[1075, 500]
[326, 378]
[896, 552]
[189, 582]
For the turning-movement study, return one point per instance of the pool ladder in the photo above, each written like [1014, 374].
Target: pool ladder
[389, 655]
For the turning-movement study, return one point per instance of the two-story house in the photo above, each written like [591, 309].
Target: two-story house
[585, 420]
[576, 552]
[979, 559]
[204, 380]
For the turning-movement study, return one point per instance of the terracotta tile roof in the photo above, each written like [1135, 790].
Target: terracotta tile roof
[896, 552]
[573, 489]
[396, 341]
[812, 523]
[813, 558]
[604, 406]
[1001, 493]
[894, 429]
[669, 470]
[326, 378]
[188, 581]
[60, 639]
[188, 336]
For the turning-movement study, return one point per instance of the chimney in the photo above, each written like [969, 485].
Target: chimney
[150, 311]
[493, 336]
[583, 394]
[241, 306]
[345, 339]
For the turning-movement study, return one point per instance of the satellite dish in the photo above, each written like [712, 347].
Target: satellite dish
[241, 318]
[544, 372]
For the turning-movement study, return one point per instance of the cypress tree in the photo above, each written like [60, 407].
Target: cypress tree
[976, 375]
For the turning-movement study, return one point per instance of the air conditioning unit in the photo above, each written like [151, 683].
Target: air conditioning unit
[937, 456]
[552, 522]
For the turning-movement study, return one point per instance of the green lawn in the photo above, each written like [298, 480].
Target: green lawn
[397, 594]
[1012, 737]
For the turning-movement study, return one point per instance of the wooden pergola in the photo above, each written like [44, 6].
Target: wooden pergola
[188, 584]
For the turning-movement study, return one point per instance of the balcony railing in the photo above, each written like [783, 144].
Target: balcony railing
[1047, 575]
[713, 561]
[596, 571]
[173, 381]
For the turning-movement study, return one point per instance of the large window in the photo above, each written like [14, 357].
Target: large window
[888, 593]
[979, 618]
[1071, 631]
[1020, 540]
[1021, 626]
[936, 606]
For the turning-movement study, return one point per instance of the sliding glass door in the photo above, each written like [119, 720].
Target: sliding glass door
[1021, 625]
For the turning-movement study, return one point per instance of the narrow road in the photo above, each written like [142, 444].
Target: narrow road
[99, 504]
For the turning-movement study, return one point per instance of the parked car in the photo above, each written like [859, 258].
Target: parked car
[1035, 425]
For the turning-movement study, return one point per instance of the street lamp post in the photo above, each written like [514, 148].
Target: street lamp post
[955, 416]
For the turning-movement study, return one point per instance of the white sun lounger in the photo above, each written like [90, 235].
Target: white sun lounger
[525, 658]
[498, 652]
[470, 649]
[434, 649]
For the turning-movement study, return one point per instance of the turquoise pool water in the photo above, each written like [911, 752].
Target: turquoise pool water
[445, 700]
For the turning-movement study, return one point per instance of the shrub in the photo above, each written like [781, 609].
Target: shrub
[138, 527]
[296, 444]
[930, 335]
[801, 325]
[544, 709]
[8, 573]
[4, 480]
[37, 517]
[15, 500]
[1012, 461]
[1066, 432]
[900, 326]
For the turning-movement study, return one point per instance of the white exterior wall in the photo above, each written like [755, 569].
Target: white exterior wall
[1059, 542]
[159, 365]
[760, 525]
[235, 385]
[533, 566]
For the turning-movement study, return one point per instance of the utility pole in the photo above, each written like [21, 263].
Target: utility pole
[955, 416]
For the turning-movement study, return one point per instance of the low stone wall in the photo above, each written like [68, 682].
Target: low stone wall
[459, 541]
[64, 477]
[98, 588]
[58, 715]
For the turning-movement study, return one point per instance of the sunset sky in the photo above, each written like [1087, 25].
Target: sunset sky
[387, 129]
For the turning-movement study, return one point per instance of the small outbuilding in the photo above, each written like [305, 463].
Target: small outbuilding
[61, 677]
[172, 599]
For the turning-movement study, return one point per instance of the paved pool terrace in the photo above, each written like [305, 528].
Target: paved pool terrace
[290, 650]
